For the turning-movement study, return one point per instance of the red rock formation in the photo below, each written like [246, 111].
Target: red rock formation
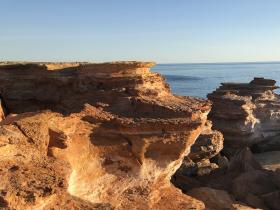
[112, 137]
[246, 113]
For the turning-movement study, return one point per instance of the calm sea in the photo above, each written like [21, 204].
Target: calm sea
[200, 79]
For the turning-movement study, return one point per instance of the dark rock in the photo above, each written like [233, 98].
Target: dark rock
[255, 182]
[2, 109]
[272, 200]
[243, 161]
[271, 144]
[276, 178]
[212, 198]
[269, 160]
[207, 145]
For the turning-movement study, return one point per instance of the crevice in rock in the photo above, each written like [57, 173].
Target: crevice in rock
[29, 139]
[3, 105]
[3, 202]
[138, 159]
[3, 109]
[57, 140]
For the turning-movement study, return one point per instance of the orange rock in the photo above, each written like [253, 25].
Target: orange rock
[94, 136]
[247, 114]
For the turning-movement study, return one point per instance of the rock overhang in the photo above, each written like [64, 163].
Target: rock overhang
[119, 125]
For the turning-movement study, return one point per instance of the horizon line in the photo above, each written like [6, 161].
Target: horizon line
[139, 60]
[220, 62]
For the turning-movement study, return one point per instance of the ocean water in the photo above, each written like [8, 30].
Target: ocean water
[200, 79]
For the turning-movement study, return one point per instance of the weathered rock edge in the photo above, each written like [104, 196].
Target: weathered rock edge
[93, 136]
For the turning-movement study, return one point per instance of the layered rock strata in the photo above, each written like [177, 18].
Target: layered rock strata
[93, 136]
[247, 113]
[248, 116]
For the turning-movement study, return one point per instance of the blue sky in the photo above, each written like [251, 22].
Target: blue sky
[165, 31]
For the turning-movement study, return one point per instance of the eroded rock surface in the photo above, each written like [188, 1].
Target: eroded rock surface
[94, 136]
[207, 146]
[246, 174]
[244, 181]
[247, 113]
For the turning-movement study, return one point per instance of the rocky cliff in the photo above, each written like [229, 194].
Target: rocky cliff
[93, 136]
[247, 113]
[246, 172]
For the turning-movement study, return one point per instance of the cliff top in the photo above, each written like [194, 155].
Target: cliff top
[257, 81]
[62, 65]
[71, 131]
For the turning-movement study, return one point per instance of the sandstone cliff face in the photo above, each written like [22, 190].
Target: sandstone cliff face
[248, 116]
[93, 136]
[246, 113]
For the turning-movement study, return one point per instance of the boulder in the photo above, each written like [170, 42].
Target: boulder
[272, 200]
[212, 198]
[197, 162]
[249, 187]
[207, 145]
[238, 206]
[221, 161]
[206, 167]
[243, 161]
